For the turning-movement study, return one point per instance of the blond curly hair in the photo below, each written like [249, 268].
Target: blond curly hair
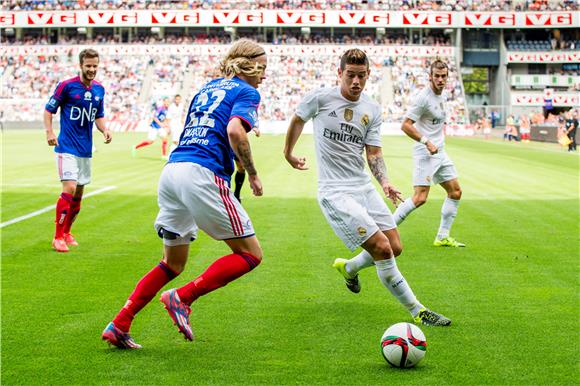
[240, 59]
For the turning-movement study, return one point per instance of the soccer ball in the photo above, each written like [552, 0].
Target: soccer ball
[403, 345]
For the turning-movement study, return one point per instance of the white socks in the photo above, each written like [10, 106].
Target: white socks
[448, 213]
[403, 210]
[392, 278]
[360, 261]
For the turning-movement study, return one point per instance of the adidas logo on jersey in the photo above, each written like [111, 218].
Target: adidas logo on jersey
[333, 114]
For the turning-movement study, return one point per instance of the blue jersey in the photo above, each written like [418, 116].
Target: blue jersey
[160, 114]
[204, 139]
[79, 106]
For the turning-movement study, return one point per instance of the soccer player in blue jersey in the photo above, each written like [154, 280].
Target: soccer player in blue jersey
[194, 193]
[159, 128]
[81, 101]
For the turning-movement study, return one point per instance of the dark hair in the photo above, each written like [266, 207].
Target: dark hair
[87, 53]
[438, 64]
[353, 56]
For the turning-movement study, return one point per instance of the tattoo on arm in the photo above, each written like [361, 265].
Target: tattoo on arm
[378, 168]
[245, 157]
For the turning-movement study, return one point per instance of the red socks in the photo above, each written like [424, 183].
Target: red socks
[164, 148]
[145, 290]
[143, 144]
[75, 208]
[63, 206]
[221, 272]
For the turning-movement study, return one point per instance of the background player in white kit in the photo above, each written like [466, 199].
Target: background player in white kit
[424, 123]
[175, 116]
[346, 122]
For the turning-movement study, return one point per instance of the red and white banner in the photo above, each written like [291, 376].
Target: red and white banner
[559, 99]
[289, 18]
[543, 57]
[220, 49]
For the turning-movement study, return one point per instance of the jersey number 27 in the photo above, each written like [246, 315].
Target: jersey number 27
[203, 106]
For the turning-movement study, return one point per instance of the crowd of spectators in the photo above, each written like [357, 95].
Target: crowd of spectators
[543, 45]
[32, 79]
[168, 74]
[393, 37]
[385, 5]
[393, 82]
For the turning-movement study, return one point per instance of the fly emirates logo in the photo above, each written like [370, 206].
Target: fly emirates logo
[344, 135]
[77, 113]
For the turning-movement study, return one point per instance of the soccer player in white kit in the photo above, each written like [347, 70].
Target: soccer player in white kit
[175, 116]
[424, 123]
[346, 122]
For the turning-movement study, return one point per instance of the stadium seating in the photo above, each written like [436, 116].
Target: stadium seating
[424, 5]
[135, 83]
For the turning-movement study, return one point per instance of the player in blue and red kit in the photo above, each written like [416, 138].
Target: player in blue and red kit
[194, 193]
[159, 128]
[81, 101]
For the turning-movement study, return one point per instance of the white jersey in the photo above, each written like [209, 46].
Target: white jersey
[174, 113]
[428, 112]
[342, 128]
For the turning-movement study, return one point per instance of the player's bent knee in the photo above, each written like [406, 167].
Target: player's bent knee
[382, 250]
[456, 194]
[397, 249]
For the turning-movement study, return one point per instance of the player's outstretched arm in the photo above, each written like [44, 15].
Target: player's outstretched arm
[50, 136]
[100, 123]
[292, 135]
[409, 128]
[241, 146]
[379, 170]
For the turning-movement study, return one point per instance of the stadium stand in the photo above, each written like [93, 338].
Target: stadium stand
[383, 5]
[133, 81]
[143, 63]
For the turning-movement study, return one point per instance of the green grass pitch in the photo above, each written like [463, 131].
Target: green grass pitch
[512, 293]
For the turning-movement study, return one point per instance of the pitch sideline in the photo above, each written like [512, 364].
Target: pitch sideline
[51, 207]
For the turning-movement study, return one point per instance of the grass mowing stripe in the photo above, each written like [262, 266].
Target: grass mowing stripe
[51, 207]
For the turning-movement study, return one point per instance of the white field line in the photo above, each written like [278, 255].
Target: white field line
[32, 185]
[51, 207]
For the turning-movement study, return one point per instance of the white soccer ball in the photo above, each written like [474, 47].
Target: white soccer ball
[403, 345]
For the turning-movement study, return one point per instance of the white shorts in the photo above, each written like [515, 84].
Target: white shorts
[73, 168]
[433, 169]
[191, 196]
[153, 133]
[355, 215]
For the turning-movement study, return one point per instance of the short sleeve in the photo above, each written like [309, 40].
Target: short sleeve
[417, 108]
[56, 99]
[101, 107]
[308, 106]
[246, 107]
[373, 136]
